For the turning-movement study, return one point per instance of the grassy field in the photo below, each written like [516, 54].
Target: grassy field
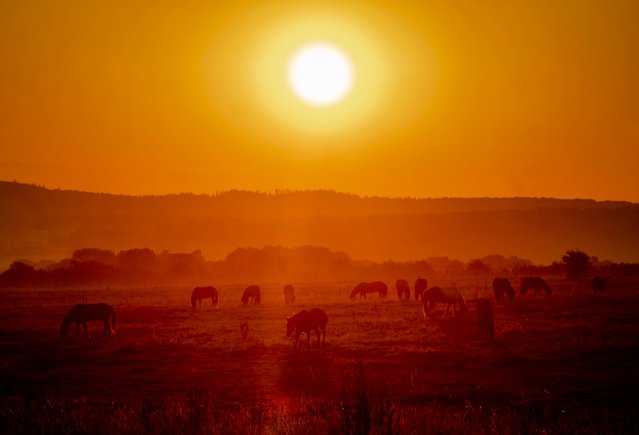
[564, 363]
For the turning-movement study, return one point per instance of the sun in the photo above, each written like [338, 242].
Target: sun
[320, 74]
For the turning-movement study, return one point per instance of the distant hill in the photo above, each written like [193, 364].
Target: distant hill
[36, 223]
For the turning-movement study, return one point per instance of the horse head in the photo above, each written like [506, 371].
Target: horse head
[64, 329]
[356, 290]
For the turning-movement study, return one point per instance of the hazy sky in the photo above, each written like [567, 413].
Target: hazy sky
[449, 99]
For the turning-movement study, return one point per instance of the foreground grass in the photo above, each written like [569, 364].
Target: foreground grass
[355, 411]
[198, 413]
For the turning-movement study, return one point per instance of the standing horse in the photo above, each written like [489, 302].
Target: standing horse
[536, 283]
[598, 284]
[370, 287]
[307, 321]
[485, 319]
[251, 294]
[502, 287]
[83, 313]
[200, 293]
[289, 294]
[420, 285]
[450, 296]
[403, 289]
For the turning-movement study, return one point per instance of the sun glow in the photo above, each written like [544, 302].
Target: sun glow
[320, 74]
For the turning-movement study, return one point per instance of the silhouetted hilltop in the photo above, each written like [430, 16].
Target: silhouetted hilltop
[42, 223]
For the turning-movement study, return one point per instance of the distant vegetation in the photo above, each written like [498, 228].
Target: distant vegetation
[40, 223]
[144, 267]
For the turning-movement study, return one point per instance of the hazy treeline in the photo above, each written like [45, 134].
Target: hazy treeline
[99, 267]
[41, 223]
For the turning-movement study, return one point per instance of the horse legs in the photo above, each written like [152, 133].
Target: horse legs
[86, 332]
[77, 328]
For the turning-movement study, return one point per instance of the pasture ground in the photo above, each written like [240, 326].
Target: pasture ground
[564, 363]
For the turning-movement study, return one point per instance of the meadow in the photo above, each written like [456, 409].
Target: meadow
[560, 363]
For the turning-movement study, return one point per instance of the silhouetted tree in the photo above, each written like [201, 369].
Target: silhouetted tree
[19, 274]
[577, 263]
[103, 256]
[478, 267]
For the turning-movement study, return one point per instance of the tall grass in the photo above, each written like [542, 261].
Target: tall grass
[354, 411]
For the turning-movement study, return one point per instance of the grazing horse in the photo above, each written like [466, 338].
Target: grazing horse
[83, 313]
[485, 319]
[200, 293]
[536, 283]
[502, 287]
[403, 289]
[420, 285]
[450, 296]
[307, 321]
[370, 287]
[598, 284]
[289, 294]
[251, 294]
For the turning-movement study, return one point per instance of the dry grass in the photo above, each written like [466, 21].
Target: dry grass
[561, 364]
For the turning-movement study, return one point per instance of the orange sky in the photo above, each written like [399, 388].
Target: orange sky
[451, 98]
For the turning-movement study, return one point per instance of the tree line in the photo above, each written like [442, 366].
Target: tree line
[145, 267]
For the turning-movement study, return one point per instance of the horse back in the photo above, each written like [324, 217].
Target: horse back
[90, 312]
[307, 320]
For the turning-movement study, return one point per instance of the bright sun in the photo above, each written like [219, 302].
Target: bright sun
[320, 74]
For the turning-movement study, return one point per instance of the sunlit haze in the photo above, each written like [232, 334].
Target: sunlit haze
[527, 99]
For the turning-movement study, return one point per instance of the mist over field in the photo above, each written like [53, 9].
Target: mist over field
[39, 223]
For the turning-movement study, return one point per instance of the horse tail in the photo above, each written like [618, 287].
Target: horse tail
[112, 320]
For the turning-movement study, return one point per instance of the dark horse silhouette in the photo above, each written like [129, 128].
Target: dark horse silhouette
[83, 313]
[289, 294]
[370, 287]
[501, 288]
[403, 289]
[251, 294]
[598, 284]
[450, 296]
[307, 321]
[485, 319]
[536, 283]
[420, 285]
[200, 293]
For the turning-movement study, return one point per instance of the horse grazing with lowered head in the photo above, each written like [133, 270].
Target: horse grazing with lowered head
[598, 284]
[485, 319]
[307, 321]
[251, 294]
[200, 293]
[84, 313]
[403, 289]
[536, 283]
[437, 295]
[370, 287]
[420, 285]
[289, 294]
[501, 288]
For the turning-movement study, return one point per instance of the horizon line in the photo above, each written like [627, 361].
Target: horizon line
[285, 191]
